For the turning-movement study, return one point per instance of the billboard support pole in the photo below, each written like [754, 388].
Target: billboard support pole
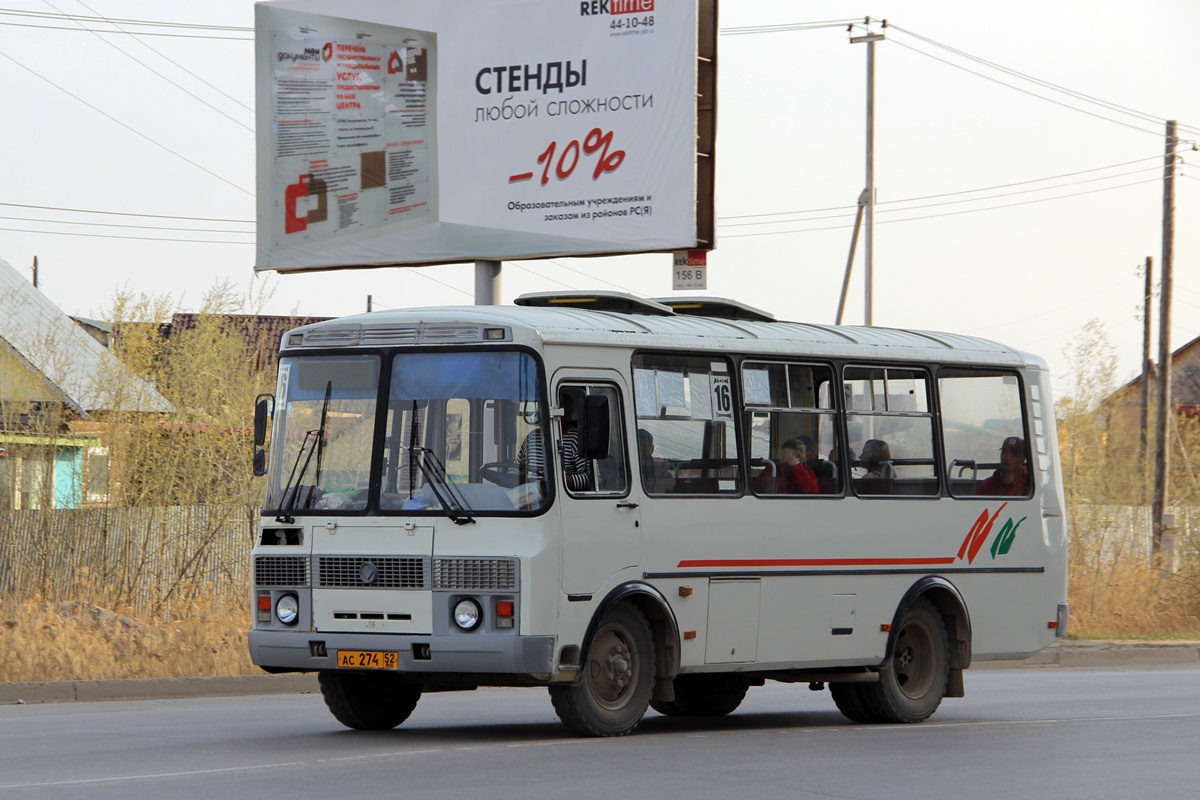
[487, 282]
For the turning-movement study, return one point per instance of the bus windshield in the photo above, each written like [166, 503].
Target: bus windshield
[444, 434]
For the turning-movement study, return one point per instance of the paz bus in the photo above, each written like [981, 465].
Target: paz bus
[651, 504]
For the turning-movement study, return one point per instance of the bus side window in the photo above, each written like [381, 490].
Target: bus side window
[890, 425]
[686, 404]
[790, 417]
[981, 410]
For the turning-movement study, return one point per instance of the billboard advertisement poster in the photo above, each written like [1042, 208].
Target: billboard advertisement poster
[407, 132]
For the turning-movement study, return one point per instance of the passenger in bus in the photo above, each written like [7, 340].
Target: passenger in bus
[1012, 478]
[531, 458]
[656, 473]
[817, 465]
[794, 476]
[876, 459]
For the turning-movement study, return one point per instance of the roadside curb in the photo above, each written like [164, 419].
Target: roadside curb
[1081, 653]
[156, 688]
[1063, 654]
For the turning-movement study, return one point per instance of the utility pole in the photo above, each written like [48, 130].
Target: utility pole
[1162, 424]
[35, 274]
[1147, 373]
[368, 304]
[869, 236]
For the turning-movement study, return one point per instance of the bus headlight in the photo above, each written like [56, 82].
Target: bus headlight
[287, 609]
[467, 614]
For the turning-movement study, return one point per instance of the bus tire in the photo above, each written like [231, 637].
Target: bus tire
[852, 701]
[704, 696]
[617, 679]
[368, 702]
[913, 681]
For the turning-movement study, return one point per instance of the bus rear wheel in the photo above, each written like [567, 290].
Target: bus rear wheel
[366, 701]
[704, 696]
[912, 682]
[614, 690]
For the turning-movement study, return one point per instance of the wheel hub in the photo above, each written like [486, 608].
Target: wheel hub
[618, 668]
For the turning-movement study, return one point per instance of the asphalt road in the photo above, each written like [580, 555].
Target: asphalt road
[1020, 733]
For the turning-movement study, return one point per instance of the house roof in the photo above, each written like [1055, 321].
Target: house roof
[81, 371]
[1185, 378]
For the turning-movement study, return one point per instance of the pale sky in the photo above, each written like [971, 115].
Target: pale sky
[87, 128]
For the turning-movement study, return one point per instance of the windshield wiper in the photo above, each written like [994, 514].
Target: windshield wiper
[290, 489]
[452, 501]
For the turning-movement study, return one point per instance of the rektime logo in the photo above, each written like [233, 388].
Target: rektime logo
[595, 8]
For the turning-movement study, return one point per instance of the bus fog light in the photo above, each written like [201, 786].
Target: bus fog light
[467, 614]
[287, 609]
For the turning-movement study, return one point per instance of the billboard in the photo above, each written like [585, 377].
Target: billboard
[407, 132]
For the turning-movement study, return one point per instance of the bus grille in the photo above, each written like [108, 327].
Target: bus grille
[376, 572]
[281, 571]
[475, 574]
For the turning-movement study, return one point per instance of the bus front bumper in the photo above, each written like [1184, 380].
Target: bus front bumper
[452, 654]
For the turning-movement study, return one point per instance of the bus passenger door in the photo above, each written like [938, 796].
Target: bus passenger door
[600, 517]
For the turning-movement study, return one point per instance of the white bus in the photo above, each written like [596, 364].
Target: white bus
[661, 504]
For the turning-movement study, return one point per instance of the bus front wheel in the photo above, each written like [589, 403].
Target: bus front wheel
[614, 690]
[912, 682]
[368, 701]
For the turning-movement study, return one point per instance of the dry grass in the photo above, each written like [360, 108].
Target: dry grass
[82, 640]
[1132, 600]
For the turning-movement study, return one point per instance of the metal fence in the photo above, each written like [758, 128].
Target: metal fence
[145, 558]
[1113, 533]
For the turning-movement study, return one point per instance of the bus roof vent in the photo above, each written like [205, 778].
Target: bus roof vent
[333, 335]
[620, 302]
[715, 307]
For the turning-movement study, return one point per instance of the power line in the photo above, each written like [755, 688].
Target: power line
[165, 78]
[59, 14]
[177, 65]
[1156, 158]
[127, 213]
[1023, 91]
[122, 225]
[1047, 84]
[793, 26]
[127, 33]
[124, 125]
[82, 21]
[945, 214]
[135, 238]
[1154, 169]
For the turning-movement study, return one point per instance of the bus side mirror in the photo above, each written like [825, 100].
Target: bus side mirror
[264, 404]
[595, 427]
[262, 412]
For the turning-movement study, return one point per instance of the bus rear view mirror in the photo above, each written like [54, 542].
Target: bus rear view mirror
[263, 405]
[595, 427]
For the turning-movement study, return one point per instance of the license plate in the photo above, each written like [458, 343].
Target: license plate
[368, 659]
